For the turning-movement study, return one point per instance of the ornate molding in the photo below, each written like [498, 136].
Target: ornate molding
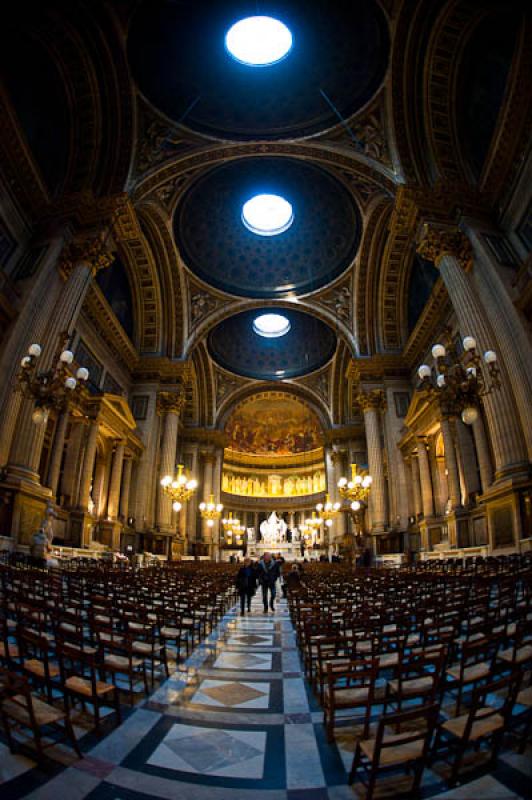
[226, 384]
[374, 399]
[171, 402]
[437, 242]
[90, 250]
[369, 133]
[339, 300]
[163, 370]
[319, 383]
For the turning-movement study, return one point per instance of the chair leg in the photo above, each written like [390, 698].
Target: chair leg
[330, 726]
[7, 729]
[457, 763]
[355, 765]
[371, 782]
[71, 736]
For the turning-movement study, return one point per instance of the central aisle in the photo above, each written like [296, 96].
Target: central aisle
[235, 722]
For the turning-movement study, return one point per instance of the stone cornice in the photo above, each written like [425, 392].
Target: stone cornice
[376, 368]
[160, 369]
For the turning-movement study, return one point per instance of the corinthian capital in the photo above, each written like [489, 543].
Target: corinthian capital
[374, 399]
[438, 241]
[90, 250]
[170, 402]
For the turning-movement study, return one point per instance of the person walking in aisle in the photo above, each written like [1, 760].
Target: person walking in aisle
[246, 584]
[268, 574]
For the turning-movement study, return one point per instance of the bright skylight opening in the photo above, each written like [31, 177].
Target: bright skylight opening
[271, 326]
[258, 41]
[267, 214]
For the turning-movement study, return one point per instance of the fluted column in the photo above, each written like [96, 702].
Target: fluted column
[69, 484]
[424, 475]
[483, 453]
[208, 468]
[371, 403]
[451, 252]
[29, 327]
[453, 481]
[97, 490]
[466, 454]
[170, 405]
[57, 453]
[416, 485]
[126, 486]
[88, 465]
[80, 261]
[116, 477]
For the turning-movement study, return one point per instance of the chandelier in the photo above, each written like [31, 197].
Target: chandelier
[459, 381]
[232, 527]
[328, 510]
[53, 389]
[211, 511]
[357, 489]
[314, 522]
[180, 489]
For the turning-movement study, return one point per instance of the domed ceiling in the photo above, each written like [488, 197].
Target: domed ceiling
[177, 54]
[308, 345]
[216, 245]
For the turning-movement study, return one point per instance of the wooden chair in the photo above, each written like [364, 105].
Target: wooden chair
[482, 721]
[418, 678]
[349, 687]
[36, 657]
[477, 659]
[9, 651]
[21, 710]
[519, 654]
[146, 645]
[79, 677]
[120, 659]
[524, 717]
[408, 748]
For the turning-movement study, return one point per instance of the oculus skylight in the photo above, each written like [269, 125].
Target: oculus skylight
[271, 326]
[258, 41]
[267, 214]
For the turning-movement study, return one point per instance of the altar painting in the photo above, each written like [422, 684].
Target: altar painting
[274, 426]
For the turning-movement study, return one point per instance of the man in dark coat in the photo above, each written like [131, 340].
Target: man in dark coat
[246, 583]
[268, 572]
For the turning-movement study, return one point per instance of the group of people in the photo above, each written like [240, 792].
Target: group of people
[264, 573]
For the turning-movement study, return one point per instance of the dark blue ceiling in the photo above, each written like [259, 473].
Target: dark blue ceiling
[177, 55]
[320, 244]
[308, 345]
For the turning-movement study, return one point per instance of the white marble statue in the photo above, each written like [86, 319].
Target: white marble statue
[273, 529]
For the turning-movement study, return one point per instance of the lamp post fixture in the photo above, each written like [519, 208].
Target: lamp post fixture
[180, 489]
[328, 510]
[54, 389]
[355, 489]
[459, 381]
[211, 511]
[231, 527]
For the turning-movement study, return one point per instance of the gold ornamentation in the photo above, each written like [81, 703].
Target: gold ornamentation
[171, 402]
[91, 251]
[374, 399]
[437, 242]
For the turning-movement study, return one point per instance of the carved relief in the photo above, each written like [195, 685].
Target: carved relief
[339, 300]
[226, 384]
[437, 242]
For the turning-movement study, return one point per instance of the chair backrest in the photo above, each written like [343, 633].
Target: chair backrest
[420, 721]
[505, 689]
[17, 690]
[355, 674]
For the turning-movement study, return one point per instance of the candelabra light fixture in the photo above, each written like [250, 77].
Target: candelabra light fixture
[180, 489]
[328, 510]
[211, 511]
[356, 489]
[459, 381]
[55, 388]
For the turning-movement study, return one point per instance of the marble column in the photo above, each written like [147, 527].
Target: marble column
[88, 465]
[29, 327]
[416, 485]
[80, 260]
[427, 497]
[116, 478]
[508, 325]
[451, 252]
[483, 453]
[58, 447]
[209, 460]
[98, 486]
[467, 457]
[453, 480]
[126, 486]
[170, 405]
[69, 486]
[371, 404]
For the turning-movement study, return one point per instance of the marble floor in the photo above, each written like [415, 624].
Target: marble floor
[235, 721]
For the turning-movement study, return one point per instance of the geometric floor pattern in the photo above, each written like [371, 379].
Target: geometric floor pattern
[236, 721]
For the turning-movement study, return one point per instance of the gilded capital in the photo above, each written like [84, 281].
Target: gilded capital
[170, 402]
[437, 242]
[371, 400]
[90, 250]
